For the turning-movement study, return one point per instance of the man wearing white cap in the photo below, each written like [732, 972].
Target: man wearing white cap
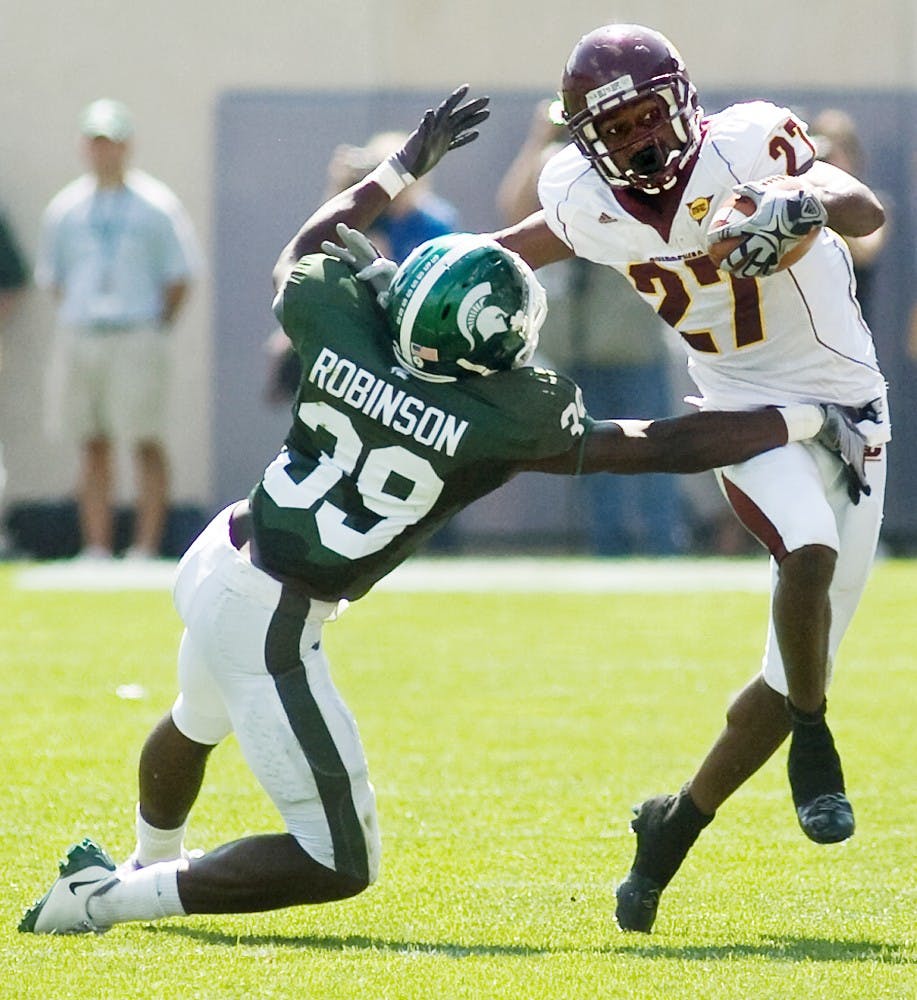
[119, 252]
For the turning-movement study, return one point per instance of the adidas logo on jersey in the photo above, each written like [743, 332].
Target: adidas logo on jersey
[605, 217]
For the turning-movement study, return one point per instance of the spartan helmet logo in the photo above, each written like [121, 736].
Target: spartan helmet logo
[474, 315]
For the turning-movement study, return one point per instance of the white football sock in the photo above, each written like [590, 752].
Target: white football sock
[146, 894]
[157, 845]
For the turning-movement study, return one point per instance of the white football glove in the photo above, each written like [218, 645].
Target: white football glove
[841, 434]
[359, 254]
[781, 217]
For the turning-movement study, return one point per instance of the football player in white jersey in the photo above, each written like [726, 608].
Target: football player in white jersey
[637, 190]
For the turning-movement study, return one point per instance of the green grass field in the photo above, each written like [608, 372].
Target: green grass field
[508, 736]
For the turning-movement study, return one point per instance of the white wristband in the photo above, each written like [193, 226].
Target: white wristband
[391, 176]
[803, 420]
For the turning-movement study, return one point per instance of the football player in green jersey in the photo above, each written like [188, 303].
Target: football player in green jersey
[417, 398]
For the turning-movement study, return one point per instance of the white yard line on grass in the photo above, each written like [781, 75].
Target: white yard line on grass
[529, 575]
[111, 574]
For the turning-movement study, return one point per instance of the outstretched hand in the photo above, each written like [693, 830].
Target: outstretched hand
[359, 254]
[840, 434]
[451, 125]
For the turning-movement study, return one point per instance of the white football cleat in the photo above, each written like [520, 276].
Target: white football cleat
[62, 909]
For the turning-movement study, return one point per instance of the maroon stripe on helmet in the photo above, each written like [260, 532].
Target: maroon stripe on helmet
[755, 520]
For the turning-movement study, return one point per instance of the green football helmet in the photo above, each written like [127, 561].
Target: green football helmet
[463, 305]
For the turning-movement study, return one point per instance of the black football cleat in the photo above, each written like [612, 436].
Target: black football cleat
[637, 902]
[827, 819]
[666, 826]
[817, 781]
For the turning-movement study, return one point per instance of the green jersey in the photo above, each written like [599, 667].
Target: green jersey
[377, 459]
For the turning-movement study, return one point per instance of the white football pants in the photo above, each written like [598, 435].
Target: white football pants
[251, 662]
[795, 496]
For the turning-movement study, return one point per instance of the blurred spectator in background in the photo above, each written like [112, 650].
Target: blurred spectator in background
[837, 142]
[13, 280]
[416, 215]
[13, 273]
[612, 344]
[118, 251]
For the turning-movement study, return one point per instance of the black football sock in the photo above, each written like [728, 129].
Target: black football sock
[813, 764]
[671, 825]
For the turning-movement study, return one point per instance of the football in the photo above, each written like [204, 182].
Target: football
[736, 207]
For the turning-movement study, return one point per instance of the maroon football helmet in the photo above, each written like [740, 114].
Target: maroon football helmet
[613, 66]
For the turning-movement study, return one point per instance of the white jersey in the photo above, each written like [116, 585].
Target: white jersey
[796, 336]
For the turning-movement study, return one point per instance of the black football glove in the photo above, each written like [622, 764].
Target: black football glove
[359, 254]
[840, 434]
[448, 127]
